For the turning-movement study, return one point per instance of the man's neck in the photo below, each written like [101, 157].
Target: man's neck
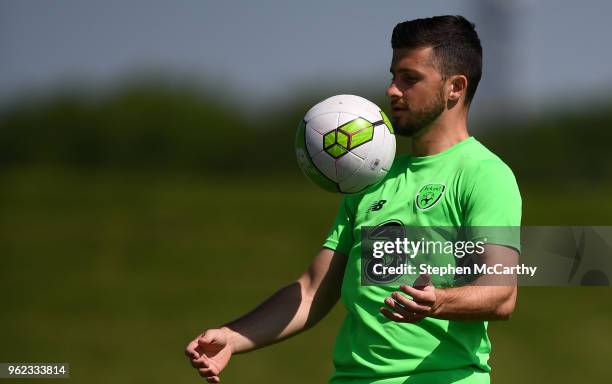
[439, 136]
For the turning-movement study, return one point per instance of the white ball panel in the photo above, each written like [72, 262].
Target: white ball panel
[363, 150]
[360, 180]
[314, 141]
[347, 104]
[347, 166]
[323, 123]
[344, 118]
[326, 164]
[351, 185]
[388, 149]
[366, 108]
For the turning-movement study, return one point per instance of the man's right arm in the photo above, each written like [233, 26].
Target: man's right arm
[293, 308]
[289, 311]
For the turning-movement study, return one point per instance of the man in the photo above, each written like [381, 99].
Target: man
[420, 333]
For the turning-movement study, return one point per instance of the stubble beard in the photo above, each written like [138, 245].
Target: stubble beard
[419, 120]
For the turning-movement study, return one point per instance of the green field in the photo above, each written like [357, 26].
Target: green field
[115, 272]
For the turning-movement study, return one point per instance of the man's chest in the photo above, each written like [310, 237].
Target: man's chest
[414, 199]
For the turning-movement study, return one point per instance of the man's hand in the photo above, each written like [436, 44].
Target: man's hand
[489, 297]
[406, 310]
[209, 354]
[292, 309]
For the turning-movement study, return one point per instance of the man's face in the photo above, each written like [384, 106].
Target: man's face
[416, 92]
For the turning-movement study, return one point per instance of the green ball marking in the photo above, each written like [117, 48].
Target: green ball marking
[362, 137]
[343, 139]
[387, 122]
[355, 126]
[336, 151]
[329, 139]
[360, 131]
[348, 136]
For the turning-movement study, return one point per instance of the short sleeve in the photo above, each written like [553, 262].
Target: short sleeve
[340, 236]
[492, 204]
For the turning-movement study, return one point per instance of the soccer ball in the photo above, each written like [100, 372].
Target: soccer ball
[345, 143]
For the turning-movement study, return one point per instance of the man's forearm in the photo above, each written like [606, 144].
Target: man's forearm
[474, 303]
[282, 315]
[293, 308]
[488, 298]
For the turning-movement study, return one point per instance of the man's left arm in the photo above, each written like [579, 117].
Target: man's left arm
[489, 297]
[492, 204]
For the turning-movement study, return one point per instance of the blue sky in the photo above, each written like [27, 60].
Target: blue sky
[264, 50]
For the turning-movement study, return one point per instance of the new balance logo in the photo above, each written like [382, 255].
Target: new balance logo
[377, 205]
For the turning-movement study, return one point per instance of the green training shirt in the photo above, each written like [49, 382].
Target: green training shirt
[465, 185]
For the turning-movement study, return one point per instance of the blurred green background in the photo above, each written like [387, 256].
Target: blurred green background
[135, 215]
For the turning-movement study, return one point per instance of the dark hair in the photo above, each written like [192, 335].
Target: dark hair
[456, 46]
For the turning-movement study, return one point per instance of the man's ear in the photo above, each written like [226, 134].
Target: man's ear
[457, 86]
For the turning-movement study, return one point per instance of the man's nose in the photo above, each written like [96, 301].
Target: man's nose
[392, 91]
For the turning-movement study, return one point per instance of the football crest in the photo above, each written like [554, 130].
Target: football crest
[429, 195]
